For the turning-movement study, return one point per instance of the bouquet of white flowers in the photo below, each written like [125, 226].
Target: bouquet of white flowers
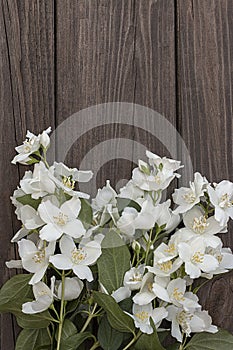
[116, 272]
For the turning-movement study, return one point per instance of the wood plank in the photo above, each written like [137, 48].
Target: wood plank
[205, 34]
[114, 51]
[26, 102]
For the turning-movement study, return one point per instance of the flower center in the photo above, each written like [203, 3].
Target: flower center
[189, 197]
[225, 201]
[198, 257]
[68, 182]
[137, 277]
[170, 249]
[39, 256]
[200, 224]
[142, 316]
[150, 286]
[183, 319]
[78, 255]
[177, 295]
[166, 266]
[61, 219]
[158, 179]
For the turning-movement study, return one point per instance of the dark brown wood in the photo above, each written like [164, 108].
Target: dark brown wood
[27, 102]
[115, 51]
[59, 57]
[204, 68]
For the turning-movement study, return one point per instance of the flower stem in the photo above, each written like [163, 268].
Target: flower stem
[61, 319]
[95, 346]
[91, 315]
[135, 338]
[148, 246]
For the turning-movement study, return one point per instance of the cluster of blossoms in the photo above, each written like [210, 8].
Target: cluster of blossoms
[171, 242]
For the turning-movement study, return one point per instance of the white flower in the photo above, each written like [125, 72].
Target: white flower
[179, 297]
[167, 217]
[188, 322]
[66, 178]
[17, 193]
[222, 199]
[143, 313]
[44, 298]
[131, 191]
[147, 216]
[224, 257]
[133, 277]
[126, 222]
[187, 197]
[121, 293]
[164, 163]
[104, 204]
[61, 220]
[152, 288]
[23, 232]
[105, 195]
[166, 268]
[195, 258]
[198, 225]
[76, 258]
[44, 138]
[154, 180]
[38, 183]
[31, 145]
[72, 288]
[29, 217]
[34, 259]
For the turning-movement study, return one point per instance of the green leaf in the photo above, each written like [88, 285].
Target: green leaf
[114, 262]
[122, 203]
[174, 346]
[32, 339]
[109, 338]
[40, 320]
[86, 213]
[68, 330]
[116, 317]
[27, 199]
[149, 341]
[76, 340]
[222, 340]
[16, 288]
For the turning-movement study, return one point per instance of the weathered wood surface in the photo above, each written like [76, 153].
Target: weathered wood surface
[58, 57]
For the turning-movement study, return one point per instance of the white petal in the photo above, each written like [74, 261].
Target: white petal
[67, 245]
[42, 304]
[26, 247]
[71, 207]
[38, 275]
[47, 211]
[61, 262]
[74, 228]
[50, 233]
[14, 264]
[83, 272]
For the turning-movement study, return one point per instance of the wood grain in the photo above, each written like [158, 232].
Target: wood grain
[110, 51]
[204, 68]
[59, 57]
[27, 102]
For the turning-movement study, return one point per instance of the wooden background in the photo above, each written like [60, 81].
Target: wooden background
[174, 56]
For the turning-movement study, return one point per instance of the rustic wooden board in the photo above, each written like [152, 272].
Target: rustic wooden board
[27, 102]
[59, 57]
[114, 51]
[204, 64]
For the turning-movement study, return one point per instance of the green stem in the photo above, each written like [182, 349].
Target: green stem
[91, 315]
[95, 346]
[61, 319]
[148, 246]
[135, 338]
